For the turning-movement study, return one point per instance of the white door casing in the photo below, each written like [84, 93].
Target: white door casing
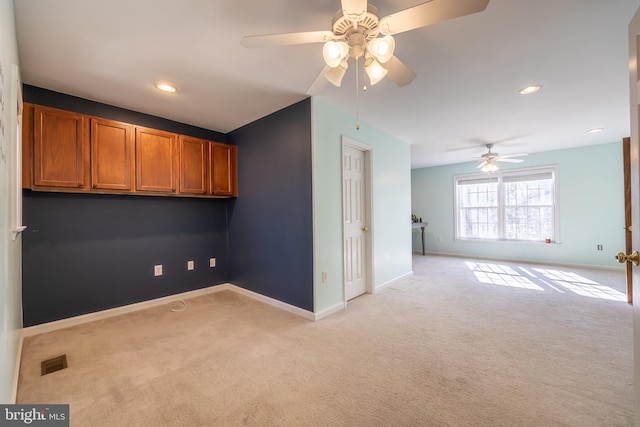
[634, 86]
[356, 196]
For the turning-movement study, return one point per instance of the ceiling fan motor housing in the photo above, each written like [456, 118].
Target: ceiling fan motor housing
[357, 34]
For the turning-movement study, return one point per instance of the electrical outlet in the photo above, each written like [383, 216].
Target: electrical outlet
[212, 262]
[157, 270]
[439, 239]
[324, 277]
[599, 247]
[190, 265]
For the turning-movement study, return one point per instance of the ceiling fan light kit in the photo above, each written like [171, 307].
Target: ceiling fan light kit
[335, 74]
[375, 71]
[489, 167]
[382, 48]
[334, 52]
[489, 159]
[355, 32]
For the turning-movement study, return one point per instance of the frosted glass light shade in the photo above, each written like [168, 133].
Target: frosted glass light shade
[334, 52]
[375, 71]
[489, 167]
[335, 74]
[382, 48]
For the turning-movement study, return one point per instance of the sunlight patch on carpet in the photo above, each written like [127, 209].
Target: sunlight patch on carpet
[500, 275]
[542, 279]
[581, 285]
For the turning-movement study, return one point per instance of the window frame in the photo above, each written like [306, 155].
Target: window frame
[500, 176]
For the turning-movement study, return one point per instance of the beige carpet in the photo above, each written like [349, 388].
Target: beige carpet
[461, 343]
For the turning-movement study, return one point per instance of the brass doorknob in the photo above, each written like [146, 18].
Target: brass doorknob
[633, 258]
[365, 228]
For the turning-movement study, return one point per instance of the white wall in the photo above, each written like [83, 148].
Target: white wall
[391, 170]
[10, 250]
[591, 208]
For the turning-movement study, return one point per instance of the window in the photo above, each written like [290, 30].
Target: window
[516, 205]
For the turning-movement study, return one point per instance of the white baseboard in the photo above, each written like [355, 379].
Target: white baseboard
[389, 282]
[16, 369]
[329, 311]
[274, 302]
[104, 314]
[531, 262]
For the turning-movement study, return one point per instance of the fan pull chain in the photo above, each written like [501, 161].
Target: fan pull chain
[357, 96]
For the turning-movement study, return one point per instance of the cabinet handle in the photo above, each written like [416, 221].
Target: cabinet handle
[80, 184]
[95, 185]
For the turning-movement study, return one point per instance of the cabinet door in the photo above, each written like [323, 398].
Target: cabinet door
[223, 170]
[193, 165]
[156, 160]
[111, 155]
[58, 148]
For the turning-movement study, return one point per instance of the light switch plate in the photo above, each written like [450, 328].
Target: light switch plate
[212, 262]
[190, 265]
[157, 270]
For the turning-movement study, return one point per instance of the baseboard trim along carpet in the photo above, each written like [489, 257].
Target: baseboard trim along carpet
[274, 302]
[104, 314]
[329, 311]
[514, 260]
[389, 282]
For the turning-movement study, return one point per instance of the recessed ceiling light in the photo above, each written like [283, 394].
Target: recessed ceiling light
[595, 130]
[529, 89]
[165, 87]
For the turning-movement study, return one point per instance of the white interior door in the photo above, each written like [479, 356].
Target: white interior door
[634, 45]
[355, 221]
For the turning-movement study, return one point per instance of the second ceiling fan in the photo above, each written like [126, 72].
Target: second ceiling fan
[358, 32]
[488, 159]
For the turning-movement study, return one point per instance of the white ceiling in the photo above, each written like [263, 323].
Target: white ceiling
[469, 69]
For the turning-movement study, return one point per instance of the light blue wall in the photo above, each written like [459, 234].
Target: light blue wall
[391, 168]
[591, 208]
[10, 281]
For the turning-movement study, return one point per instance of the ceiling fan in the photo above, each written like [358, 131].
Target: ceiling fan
[488, 159]
[355, 32]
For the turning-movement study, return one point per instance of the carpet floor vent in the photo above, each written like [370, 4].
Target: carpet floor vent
[54, 364]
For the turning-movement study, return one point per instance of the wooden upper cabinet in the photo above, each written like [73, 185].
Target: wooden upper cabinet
[223, 176]
[111, 155]
[65, 151]
[194, 153]
[58, 148]
[156, 160]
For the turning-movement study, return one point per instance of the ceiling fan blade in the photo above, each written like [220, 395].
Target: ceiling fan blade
[354, 10]
[269, 40]
[514, 155]
[319, 83]
[481, 164]
[399, 72]
[502, 159]
[428, 13]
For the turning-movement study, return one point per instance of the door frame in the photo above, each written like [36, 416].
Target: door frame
[368, 206]
[634, 155]
[626, 164]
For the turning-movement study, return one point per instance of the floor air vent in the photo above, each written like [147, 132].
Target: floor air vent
[54, 364]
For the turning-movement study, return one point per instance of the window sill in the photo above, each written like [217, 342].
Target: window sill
[511, 242]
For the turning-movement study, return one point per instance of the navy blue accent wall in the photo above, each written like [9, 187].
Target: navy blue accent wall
[87, 252]
[270, 224]
[48, 98]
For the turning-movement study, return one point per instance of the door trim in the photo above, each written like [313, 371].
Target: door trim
[368, 204]
[634, 85]
[626, 163]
